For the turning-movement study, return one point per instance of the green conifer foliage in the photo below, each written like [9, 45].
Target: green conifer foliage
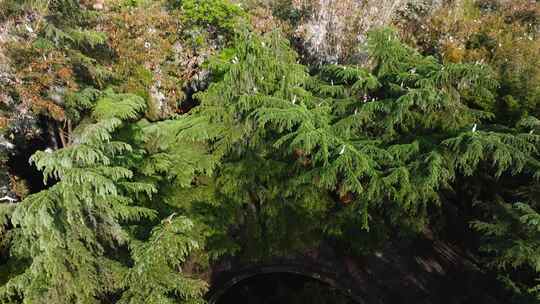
[394, 138]
[386, 144]
[257, 72]
[512, 241]
[66, 230]
[73, 235]
[275, 159]
[157, 275]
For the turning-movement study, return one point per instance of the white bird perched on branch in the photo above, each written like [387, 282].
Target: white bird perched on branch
[169, 219]
[8, 198]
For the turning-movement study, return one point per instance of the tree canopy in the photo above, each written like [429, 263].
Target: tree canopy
[272, 157]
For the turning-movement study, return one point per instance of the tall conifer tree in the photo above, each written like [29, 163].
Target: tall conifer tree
[273, 160]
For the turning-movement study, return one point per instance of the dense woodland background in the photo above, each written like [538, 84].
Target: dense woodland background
[144, 140]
